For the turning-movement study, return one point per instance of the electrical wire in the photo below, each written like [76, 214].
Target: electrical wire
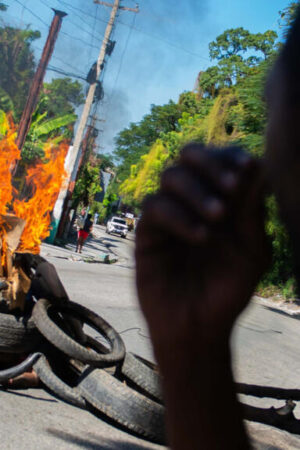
[172, 44]
[122, 57]
[62, 32]
[31, 12]
[63, 72]
[83, 12]
[75, 24]
[57, 58]
[94, 26]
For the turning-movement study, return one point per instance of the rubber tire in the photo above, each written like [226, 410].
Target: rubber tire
[142, 376]
[109, 396]
[136, 370]
[67, 345]
[58, 387]
[148, 363]
[123, 405]
[19, 369]
[18, 335]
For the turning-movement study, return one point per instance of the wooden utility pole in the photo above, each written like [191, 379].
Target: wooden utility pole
[38, 78]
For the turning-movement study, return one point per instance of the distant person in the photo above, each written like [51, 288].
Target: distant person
[83, 233]
[80, 220]
[96, 215]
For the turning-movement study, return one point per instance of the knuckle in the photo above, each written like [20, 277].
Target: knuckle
[169, 176]
[192, 149]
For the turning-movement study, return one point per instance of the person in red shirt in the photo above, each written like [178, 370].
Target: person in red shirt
[83, 233]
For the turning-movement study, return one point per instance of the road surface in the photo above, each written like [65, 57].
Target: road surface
[265, 343]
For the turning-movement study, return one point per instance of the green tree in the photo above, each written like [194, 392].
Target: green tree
[105, 161]
[236, 51]
[87, 185]
[43, 130]
[237, 41]
[287, 16]
[135, 141]
[61, 96]
[17, 64]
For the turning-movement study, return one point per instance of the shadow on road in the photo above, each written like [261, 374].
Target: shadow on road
[21, 394]
[283, 313]
[94, 442]
[110, 239]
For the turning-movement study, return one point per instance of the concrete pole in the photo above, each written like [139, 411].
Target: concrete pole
[75, 157]
[74, 153]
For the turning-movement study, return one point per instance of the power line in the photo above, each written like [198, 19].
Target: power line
[56, 57]
[80, 40]
[75, 24]
[109, 101]
[172, 44]
[122, 56]
[62, 32]
[31, 12]
[83, 12]
[63, 72]
[94, 25]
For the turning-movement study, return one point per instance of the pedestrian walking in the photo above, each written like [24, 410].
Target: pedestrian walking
[83, 233]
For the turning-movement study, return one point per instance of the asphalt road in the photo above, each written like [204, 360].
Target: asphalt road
[265, 343]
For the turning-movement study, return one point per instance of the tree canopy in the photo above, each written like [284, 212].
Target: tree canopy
[227, 108]
[61, 96]
[17, 64]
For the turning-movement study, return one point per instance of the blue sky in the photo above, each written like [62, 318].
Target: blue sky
[158, 51]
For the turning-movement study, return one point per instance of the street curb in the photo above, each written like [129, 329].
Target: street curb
[289, 308]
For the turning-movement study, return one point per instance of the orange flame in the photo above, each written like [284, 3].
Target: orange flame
[9, 154]
[45, 179]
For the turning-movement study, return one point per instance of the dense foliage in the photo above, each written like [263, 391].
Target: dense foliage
[55, 113]
[227, 108]
[17, 65]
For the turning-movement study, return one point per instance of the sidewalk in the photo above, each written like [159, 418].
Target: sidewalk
[93, 251]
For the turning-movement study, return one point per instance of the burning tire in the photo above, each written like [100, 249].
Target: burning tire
[17, 334]
[67, 345]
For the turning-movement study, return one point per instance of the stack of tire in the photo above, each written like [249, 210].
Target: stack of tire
[97, 375]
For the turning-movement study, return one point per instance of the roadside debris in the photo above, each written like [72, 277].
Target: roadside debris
[44, 339]
[42, 336]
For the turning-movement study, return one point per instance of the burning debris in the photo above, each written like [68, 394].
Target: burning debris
[25, 223]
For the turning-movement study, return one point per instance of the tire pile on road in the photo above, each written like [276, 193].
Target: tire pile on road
[90, 372]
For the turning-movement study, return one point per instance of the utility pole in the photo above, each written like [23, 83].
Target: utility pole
[37, 81]
[63, 225]
[74, 154]
[100, 63]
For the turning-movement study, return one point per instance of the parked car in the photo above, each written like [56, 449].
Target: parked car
[117, 225]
